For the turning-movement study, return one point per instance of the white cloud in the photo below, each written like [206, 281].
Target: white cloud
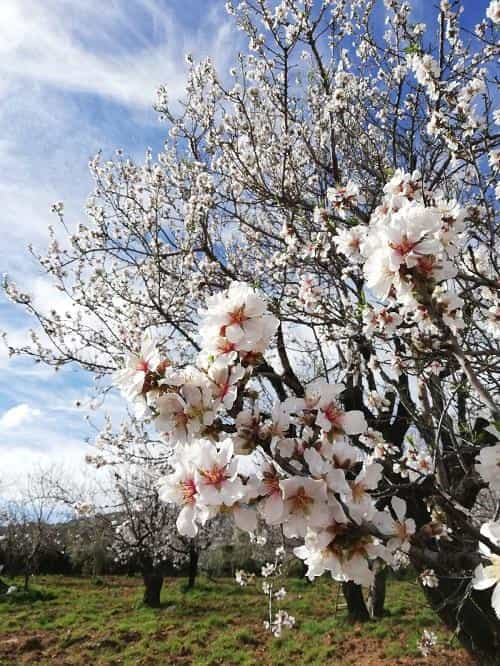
[120, 50]
[18, 415]
[59, 453]
[50, 53]
[58, 436]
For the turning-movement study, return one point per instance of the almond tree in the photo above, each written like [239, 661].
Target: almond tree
[29, 524]
[141, 527]
[306, 283]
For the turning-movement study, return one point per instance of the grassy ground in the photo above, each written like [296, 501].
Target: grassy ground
[75, 621]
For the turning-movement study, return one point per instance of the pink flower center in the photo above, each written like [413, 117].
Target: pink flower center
[180, 419]
[224, 346]
[188, 491]
[272, 484]
[386, 317]
[358, 492]
[343, 463]
[401, 531]
[142, 366]
[301, 501]
[215, 476]
[424, 464]
[333, 415]
[404, 247]
[238, 316]
[426, 264]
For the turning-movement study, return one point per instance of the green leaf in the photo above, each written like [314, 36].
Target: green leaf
[412, 49]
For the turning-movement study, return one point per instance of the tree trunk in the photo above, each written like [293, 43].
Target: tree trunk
[153, 582]
[356, 606]
[376, 599]
[193, 566]
[465, 611]
[470, 614]
[303, 570]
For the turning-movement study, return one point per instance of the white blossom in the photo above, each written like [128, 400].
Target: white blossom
[486, 577]
[488, 466]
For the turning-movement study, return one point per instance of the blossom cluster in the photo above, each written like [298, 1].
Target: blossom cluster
[407, 254]
[427, 643]
[408, 251]
[272, 574]
[296, 466]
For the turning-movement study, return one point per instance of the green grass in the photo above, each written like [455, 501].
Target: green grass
[72, 621]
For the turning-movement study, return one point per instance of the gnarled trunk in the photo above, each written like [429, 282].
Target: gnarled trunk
[153, 582]
[193, 566]
[465, 611]
[356, 606]
[376, 599]
[469, 613]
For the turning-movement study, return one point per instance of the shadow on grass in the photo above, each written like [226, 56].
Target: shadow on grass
[29, 596]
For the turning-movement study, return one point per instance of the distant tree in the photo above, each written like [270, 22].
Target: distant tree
[142, 527]
[28, 524]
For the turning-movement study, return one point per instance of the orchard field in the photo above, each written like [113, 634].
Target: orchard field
[66, 621]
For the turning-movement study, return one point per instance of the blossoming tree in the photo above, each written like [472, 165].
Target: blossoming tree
[140, 524]
[31, 524]
[305, 281]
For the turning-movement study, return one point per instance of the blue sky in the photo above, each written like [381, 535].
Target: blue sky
[77, 76]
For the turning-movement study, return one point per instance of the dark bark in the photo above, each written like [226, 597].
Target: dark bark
[377, 591]
[193, 566]
[356, 606]
[153, 582]
[303, 569]
[465, 611]
[470, 614]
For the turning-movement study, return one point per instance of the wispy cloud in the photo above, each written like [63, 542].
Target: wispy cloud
[16, 416]
[120, 50]
[75, 76]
